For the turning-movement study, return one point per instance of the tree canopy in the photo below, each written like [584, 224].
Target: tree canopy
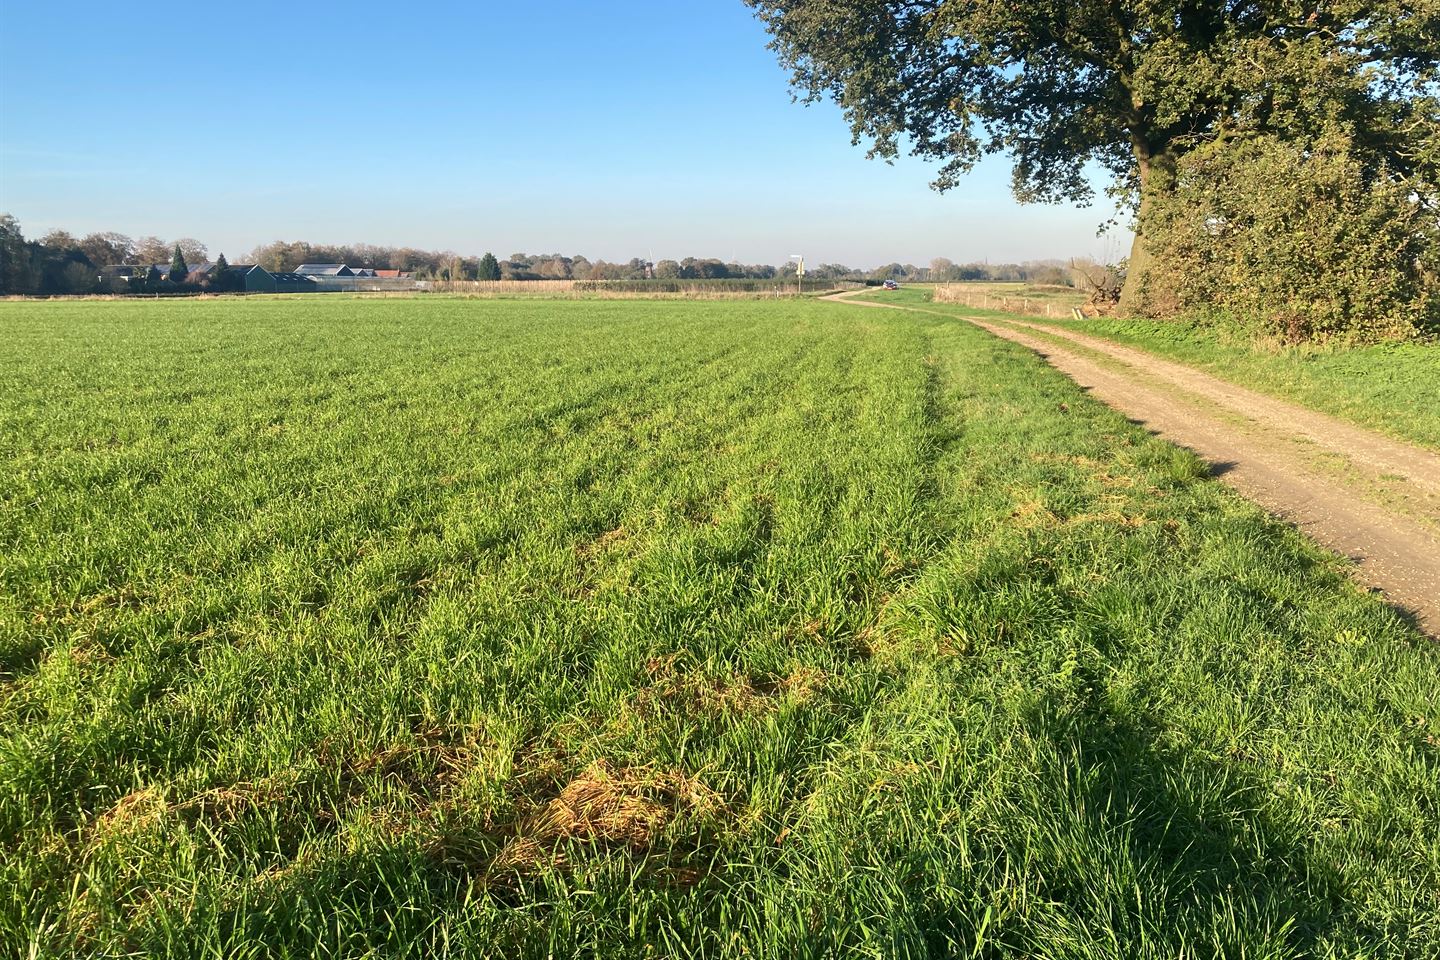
[1130, 87]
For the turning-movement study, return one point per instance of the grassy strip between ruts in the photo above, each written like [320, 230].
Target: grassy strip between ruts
[1392, 388]
[529, 629]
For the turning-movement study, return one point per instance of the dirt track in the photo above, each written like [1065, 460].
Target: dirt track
[1370, 498]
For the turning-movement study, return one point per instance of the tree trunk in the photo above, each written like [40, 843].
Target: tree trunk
[1157, 178]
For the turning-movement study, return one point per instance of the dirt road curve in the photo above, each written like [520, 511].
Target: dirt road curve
[1370, 498]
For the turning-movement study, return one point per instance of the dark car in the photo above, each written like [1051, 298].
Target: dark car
[891, 285]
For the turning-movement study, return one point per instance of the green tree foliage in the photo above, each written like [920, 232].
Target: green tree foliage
[489, 268]
[51, 266]
[178, 270]
[1298, 241]
[15, 273]
[1133, 87]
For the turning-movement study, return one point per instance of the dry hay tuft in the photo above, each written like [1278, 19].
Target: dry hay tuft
[237, 799]
[629, 805]
[803, 683]
[1033, 513]
[132, 813]
[735, 695]
[602, 543]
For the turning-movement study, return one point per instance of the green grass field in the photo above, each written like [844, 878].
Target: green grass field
[782, 629]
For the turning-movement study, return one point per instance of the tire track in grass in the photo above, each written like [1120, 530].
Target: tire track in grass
[1391, 551]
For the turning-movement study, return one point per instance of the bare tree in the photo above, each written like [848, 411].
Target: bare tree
[152, 250]
[59, 240]
[194, 251]
[108, 248]
[1100, 281]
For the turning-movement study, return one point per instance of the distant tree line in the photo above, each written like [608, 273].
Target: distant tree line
[943, 270]
[447, 265]
[427, 264]
[60, 263]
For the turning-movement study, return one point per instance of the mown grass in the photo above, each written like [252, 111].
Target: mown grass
[392, 628]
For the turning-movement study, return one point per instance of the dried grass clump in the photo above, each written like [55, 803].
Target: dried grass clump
[132, 814]
[629, 805]
[602, 543]
[734, 696]
[145, 809]
[802, 683]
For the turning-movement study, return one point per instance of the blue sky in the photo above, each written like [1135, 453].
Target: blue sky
[608, 129]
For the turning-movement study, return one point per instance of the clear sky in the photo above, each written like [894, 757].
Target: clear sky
[604, 128]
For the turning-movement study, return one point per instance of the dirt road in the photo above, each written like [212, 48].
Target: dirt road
[1367, 497]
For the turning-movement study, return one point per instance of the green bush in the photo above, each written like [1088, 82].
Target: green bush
[1300, 242]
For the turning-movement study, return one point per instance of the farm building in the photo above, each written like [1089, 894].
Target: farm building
[251, 278]
[294, 283]
[124, 271]
[343, 278]
[117, 278]
[198, 273]
[242, 277]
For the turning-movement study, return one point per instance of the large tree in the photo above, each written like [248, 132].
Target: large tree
[59, 240]
[1062, 86]
[16, 276]
[193, 250]
[105, 249]
[151, 251]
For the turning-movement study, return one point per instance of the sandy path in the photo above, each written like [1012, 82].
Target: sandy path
[1418, 466]
[1267, 453]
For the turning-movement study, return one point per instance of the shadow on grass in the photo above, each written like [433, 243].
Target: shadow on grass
[405, 901]
[1172, 851]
